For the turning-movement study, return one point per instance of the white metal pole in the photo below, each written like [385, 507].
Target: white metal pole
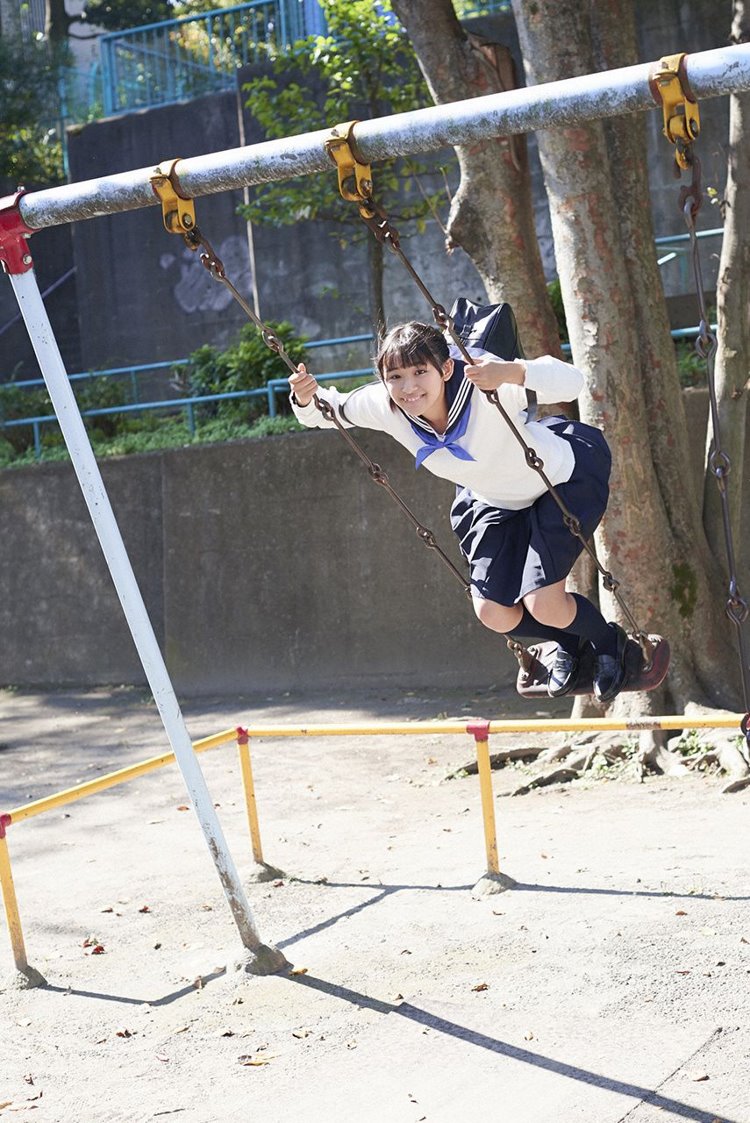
[265, 959]
[552, 105]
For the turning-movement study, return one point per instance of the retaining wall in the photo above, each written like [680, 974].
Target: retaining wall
[265, 565]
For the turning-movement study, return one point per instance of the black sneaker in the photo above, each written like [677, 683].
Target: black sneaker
[563, 675]
[609, 670]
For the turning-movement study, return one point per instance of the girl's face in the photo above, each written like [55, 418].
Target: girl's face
[419, 390]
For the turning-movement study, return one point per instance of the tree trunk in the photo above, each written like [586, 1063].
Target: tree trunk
[491, 216]
[652, 535]
[56, 22]
[733, 308]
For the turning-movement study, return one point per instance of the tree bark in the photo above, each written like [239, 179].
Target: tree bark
[491, 215]
[733, 308]
[652, 534]
[57, 22]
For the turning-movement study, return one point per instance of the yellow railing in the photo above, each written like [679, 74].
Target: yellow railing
[479, 729]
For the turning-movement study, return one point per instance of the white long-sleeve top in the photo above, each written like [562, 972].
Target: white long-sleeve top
[498, 472]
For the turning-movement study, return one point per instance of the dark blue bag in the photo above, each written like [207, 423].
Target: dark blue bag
[493, 328]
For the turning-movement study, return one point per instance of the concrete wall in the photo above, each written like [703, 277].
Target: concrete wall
[265, 565]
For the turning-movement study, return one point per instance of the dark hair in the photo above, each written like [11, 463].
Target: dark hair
[408, 345]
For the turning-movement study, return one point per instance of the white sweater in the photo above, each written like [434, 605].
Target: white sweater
[498, 473]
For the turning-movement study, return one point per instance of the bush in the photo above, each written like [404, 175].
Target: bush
[246, 365]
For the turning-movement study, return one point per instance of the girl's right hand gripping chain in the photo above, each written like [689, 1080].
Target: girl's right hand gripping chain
[304, 386]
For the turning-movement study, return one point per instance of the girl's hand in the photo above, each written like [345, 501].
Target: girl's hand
[304, 387]
[488, 374]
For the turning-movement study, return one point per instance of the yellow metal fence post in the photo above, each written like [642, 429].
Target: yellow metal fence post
[243, 745]
[9, 900]
[493, 881]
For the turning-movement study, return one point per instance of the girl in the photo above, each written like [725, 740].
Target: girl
[509, 528]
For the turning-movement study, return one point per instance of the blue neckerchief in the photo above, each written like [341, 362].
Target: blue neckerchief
[432, 442]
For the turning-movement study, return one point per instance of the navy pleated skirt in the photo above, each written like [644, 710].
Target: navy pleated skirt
[511, 553]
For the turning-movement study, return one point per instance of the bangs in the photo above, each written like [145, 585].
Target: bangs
[410, 353]
[411, 345]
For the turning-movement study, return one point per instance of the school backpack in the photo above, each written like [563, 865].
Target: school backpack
[493, 328]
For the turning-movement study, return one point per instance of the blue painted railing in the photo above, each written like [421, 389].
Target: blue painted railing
[161, 63]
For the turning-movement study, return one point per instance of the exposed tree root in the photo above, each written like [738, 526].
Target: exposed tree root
[680, 753]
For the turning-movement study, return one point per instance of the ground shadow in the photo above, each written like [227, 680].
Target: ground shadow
[503, 1048]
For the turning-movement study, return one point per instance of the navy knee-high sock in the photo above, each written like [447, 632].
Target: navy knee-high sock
[529, 628]
[588, 623]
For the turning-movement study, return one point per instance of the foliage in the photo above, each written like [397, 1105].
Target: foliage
[555, 298]
[690, 366]
[247, 364]
[120, 15]
[365, 67]
[161, 433]
[30, 151]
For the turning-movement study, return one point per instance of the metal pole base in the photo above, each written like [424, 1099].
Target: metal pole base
[26, 978]
[261, 871]
[262, 960]
[492, 883]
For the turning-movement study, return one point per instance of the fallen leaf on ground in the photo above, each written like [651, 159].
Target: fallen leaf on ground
[301, 1032]
[481, 986]
[299, 971]
[680, 912]
[697, 1076]
[183, 807]
[144, 908]
[253, 1061]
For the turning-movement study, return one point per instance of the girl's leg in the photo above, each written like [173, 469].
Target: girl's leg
[516, 621]
[576, 615]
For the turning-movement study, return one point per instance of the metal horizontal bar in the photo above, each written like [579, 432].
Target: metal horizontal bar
[539, 725]
[398, 729]
[112, 779]
[552, 105]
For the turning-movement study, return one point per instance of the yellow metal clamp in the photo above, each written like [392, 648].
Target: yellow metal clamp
[671, 89]
[178, 211]
[355, 176]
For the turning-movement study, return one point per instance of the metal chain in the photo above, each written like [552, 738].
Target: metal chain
[195, 240]
[719, 462]
[376, 219]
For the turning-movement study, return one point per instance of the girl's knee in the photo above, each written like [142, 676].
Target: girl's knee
[497, 617]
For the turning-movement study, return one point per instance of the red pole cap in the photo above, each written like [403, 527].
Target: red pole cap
[5, 821]
[242, 736]
[14, 249]
[479, 730]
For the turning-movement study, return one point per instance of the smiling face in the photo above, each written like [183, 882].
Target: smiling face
[414, 364]
[420, 389]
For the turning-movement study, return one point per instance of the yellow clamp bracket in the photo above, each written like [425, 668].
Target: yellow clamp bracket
[355, 176]
[671, 89]
[178, 211]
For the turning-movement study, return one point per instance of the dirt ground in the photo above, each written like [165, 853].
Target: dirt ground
[611, 984]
